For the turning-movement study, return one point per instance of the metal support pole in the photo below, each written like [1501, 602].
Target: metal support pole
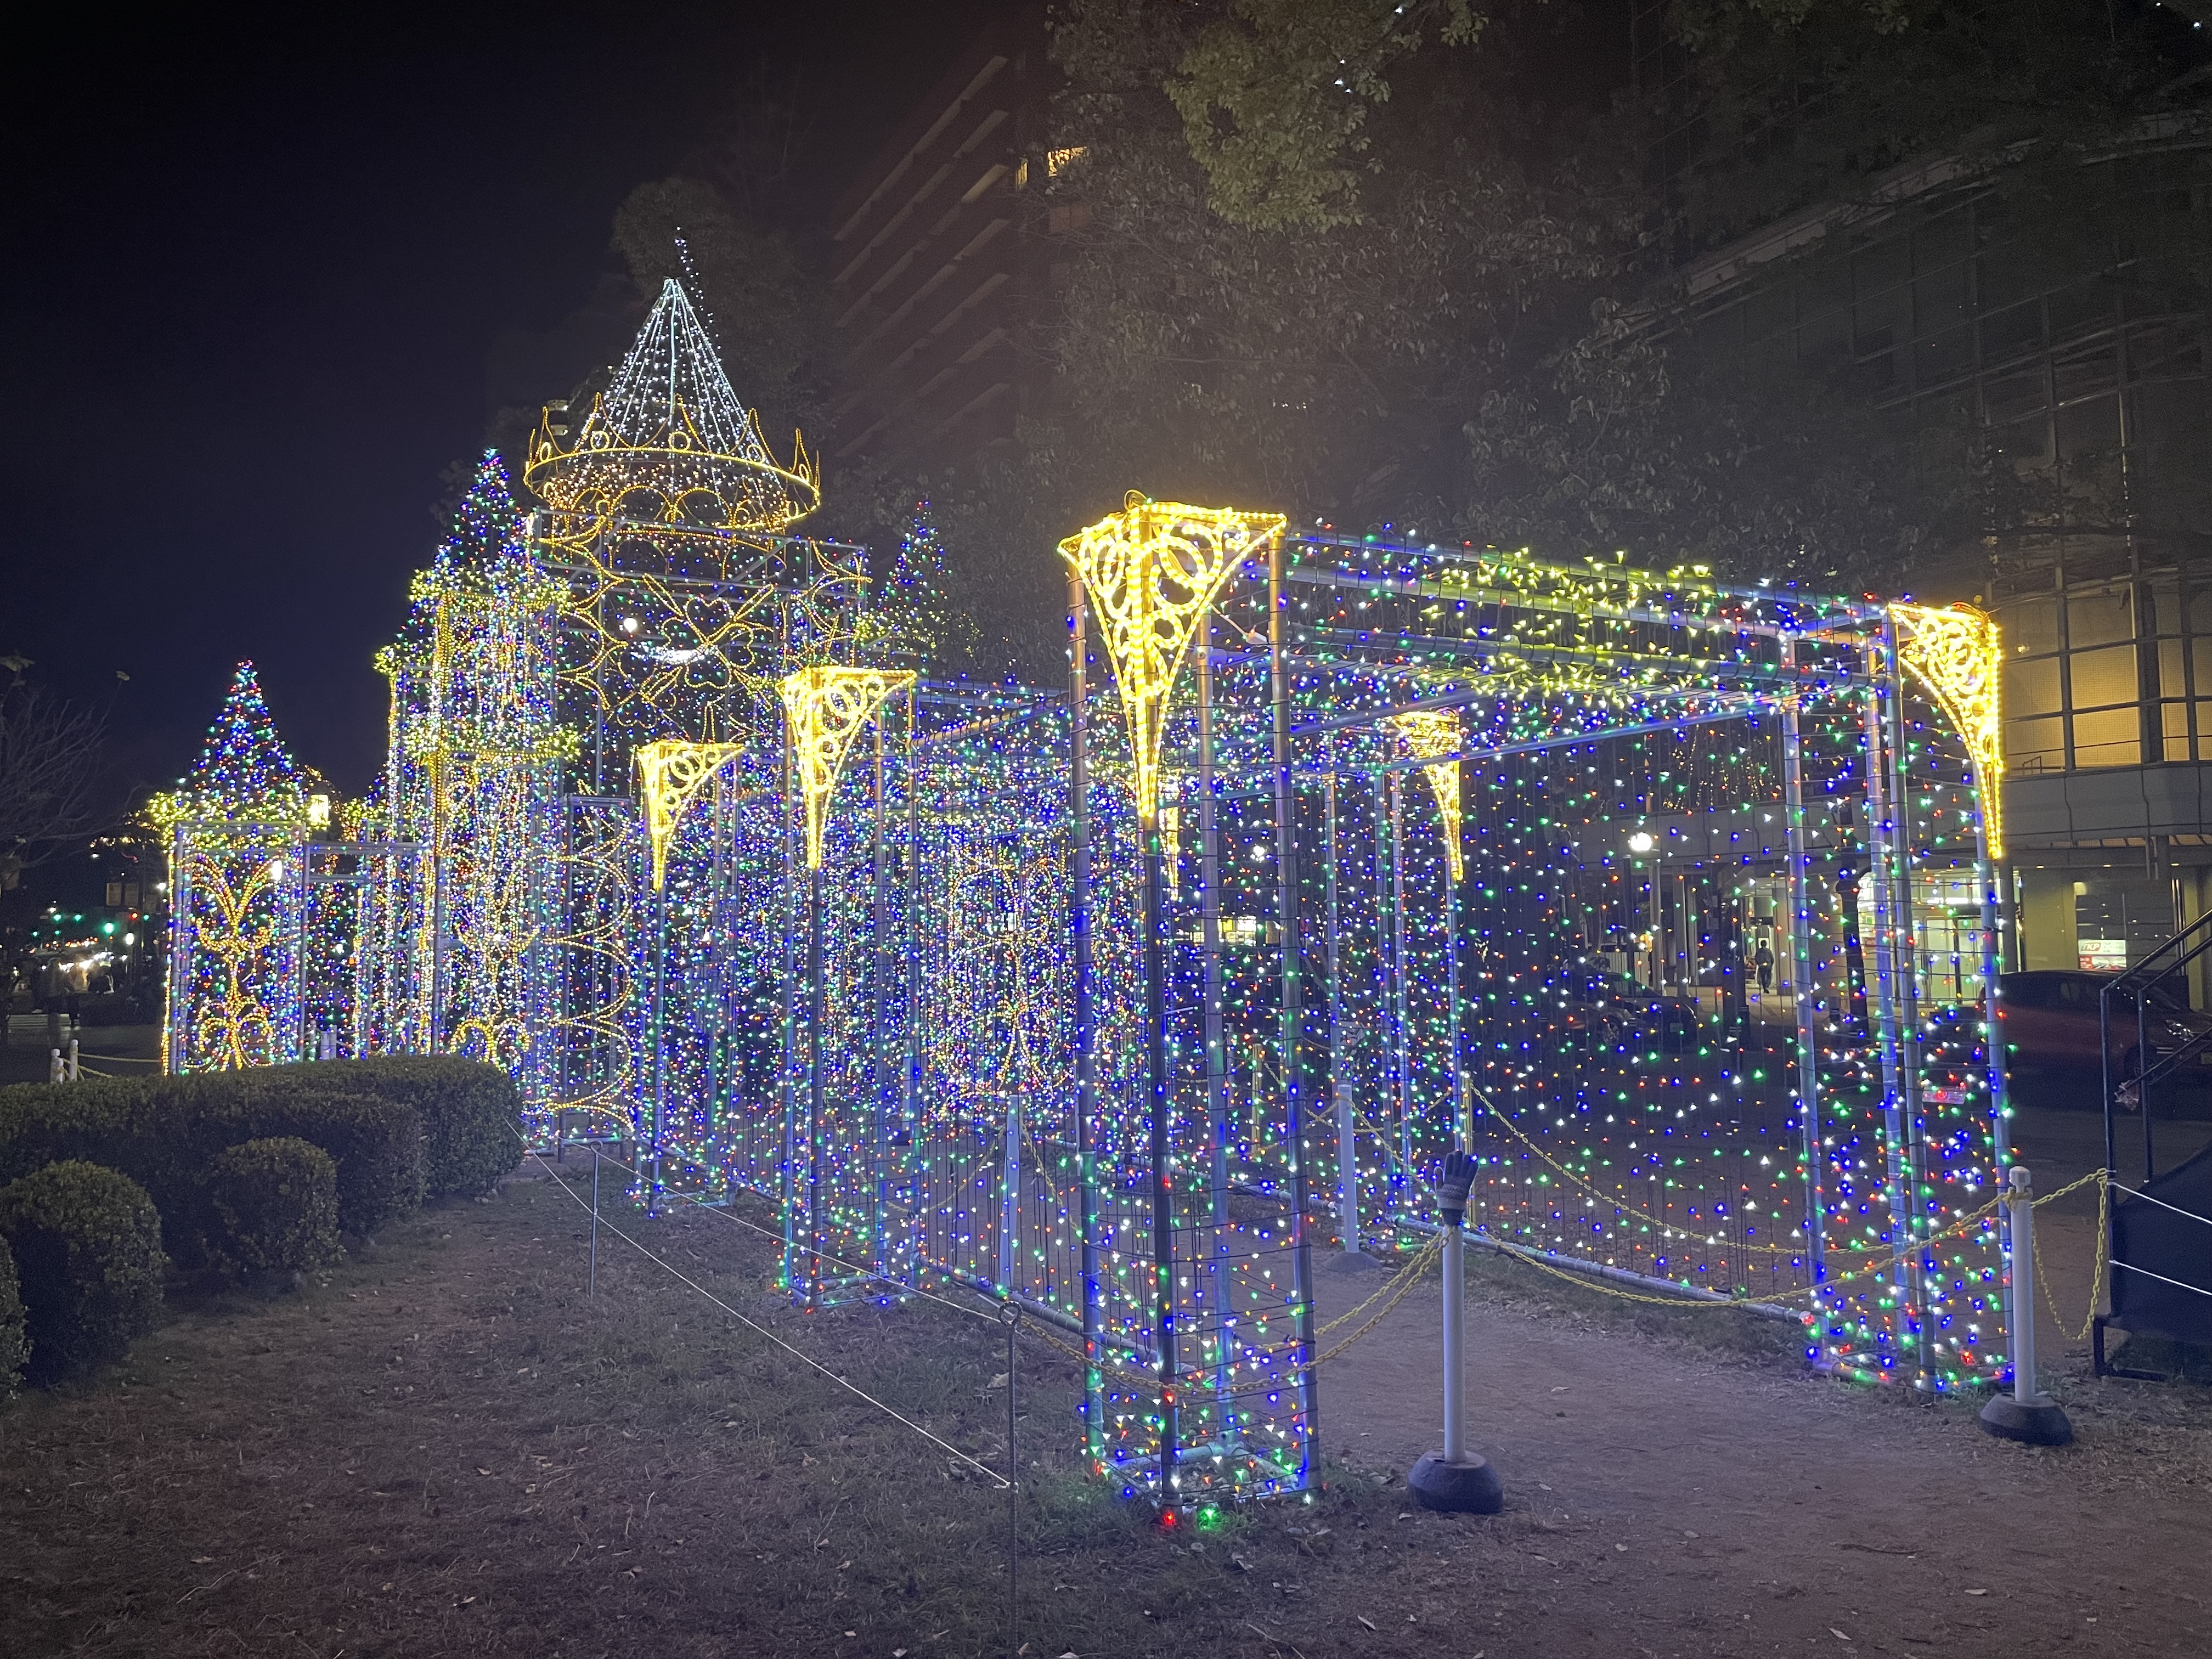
[1454, 1344]
[649, 1172]
[1158, 1150]
[592, 1281]
[879, 921]
[1461, 1085]
[1220, 1269]
[1897, 1075]
[1401, 1013]
[1010, 1190]
[1348, 1139]
[1086, 1071]
[1293, 1009]
[1801, 982]
[1455, 1480]
[1010, 1315]
[787, 1091]
[2027, 1413]
[815, 1008]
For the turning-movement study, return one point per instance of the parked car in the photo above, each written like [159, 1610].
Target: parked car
[1610, 1010]
[2049, 1021]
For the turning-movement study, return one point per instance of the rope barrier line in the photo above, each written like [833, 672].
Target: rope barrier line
[2160, 1202]
[901, 1286]
[2096, 1273]
[1412, 1269]
[857, 1392]
[1613, 1202]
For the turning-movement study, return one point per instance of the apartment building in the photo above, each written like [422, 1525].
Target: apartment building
[2064, 328]
[935, 266]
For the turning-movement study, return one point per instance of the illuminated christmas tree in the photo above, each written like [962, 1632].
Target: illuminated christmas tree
[243, 773]
[913, 605]
[487, 526]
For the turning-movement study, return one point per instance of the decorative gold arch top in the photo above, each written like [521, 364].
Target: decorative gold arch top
[1436, 732]
[1958, 654]
[825, 708]
[1149, 573]
[671, 773]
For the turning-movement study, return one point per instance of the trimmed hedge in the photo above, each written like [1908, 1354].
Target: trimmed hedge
[167, 1132]
[471, 1114]
[87, 1248]
[277, 1201]
[15, 1346]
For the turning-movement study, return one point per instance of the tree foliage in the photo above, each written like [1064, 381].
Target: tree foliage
[1274, 99]
[50, 772]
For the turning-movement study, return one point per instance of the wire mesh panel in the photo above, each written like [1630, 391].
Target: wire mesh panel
[1707, 838]
[1197, 1311]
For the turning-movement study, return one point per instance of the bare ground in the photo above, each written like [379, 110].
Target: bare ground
[445, 1448]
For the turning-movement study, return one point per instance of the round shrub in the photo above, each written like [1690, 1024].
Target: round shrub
[14, 1346]
[275, 1204]
[87, 1248]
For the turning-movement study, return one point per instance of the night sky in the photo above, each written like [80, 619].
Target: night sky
[267, 280]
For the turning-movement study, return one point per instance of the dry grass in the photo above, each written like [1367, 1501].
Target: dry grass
[445, 1448]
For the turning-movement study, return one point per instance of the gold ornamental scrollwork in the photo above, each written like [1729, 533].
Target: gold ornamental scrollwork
[825, 707]
[1429, 734]
[671, 773]
[1151, 573]
[1959, 653]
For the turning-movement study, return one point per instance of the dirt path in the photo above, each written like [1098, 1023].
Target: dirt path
[1735, 1507]
[447, 1449]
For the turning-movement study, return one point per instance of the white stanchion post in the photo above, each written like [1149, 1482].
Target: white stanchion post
[74, 1073]
[1456, 1479]
[2026, 1414]
[53, 1065]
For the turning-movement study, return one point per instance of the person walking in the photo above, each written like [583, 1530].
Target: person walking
[1763, 961]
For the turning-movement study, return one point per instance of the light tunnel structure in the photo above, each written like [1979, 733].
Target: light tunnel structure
[1134, 999]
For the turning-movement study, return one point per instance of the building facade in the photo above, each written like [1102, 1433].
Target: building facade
[935, 266]
[2061, 330]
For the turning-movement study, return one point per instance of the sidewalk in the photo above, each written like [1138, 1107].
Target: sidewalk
[1694, 1488]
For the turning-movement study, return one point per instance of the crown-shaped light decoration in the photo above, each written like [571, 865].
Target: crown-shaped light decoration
[244, 773]
[671, 773]
[669, 444]
[1429, 733]
[1150, 573]
[825, 708]
[1959, 653]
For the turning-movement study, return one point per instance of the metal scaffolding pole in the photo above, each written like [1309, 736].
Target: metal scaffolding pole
[1286, 903]
[1800, 983]
[1347, 1139]
[1897, 1106]
[1085, 1034]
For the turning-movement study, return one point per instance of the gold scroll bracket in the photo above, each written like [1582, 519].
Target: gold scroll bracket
[1958, 654]
[825, 708]
[1151, 572]
[1429, 732]
[671, 773]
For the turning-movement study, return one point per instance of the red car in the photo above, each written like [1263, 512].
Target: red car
[2050, 1020]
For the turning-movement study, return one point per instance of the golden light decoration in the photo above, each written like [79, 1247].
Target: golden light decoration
[1958, 653]
[671, 773]
[1430, 732]
[825, 708]
[669, 443]
[1152, 572]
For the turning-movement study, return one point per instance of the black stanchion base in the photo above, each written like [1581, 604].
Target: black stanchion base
[2038, 1422]
[1466, 1488]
